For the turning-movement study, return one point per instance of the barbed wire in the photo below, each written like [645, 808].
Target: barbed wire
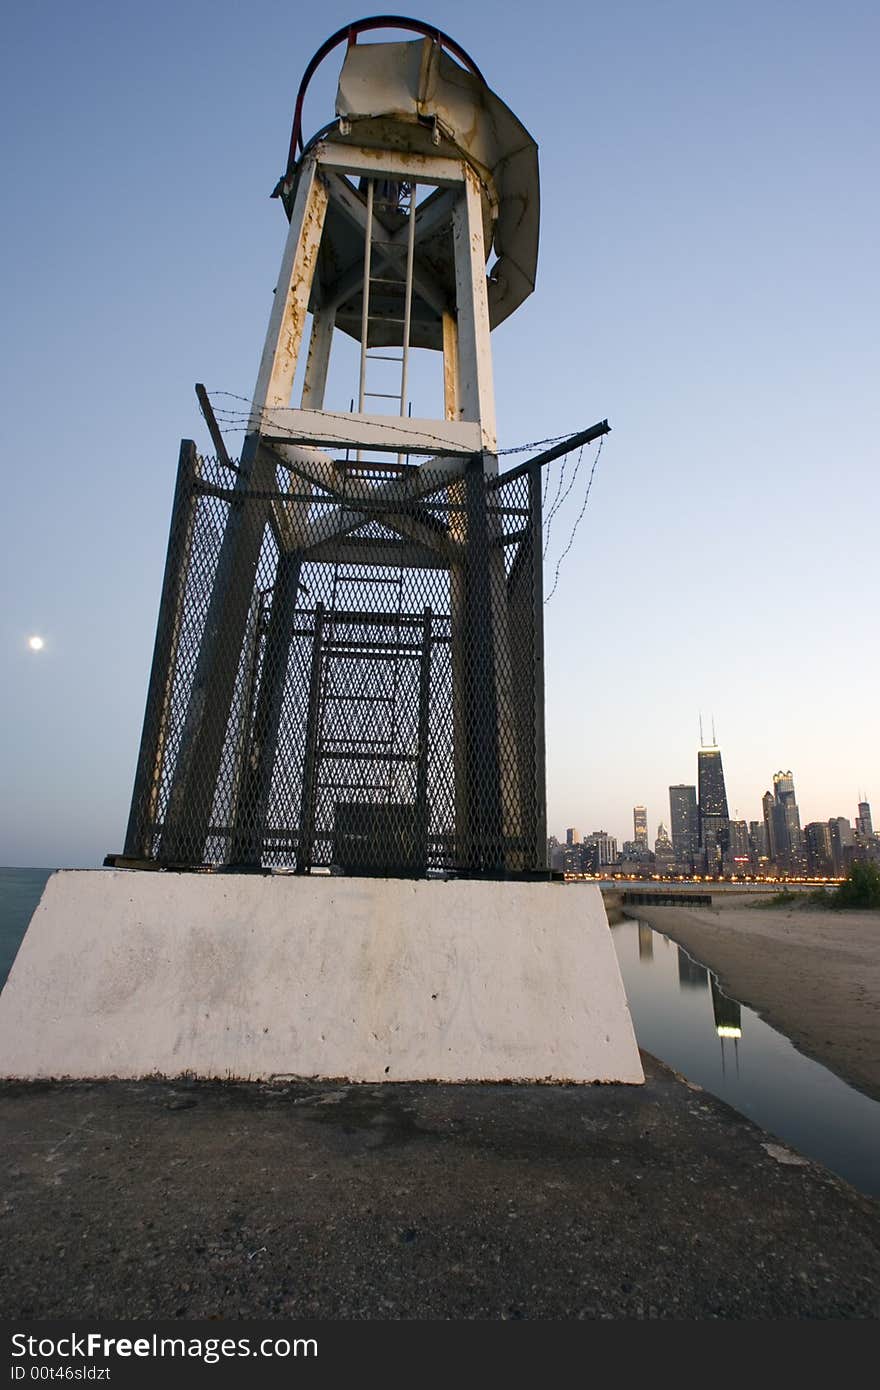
[238, 421]
[577, 521]
[560, 500]
[554, 504]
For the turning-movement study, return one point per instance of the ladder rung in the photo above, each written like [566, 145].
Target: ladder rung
[360, 699]
[355, 744]
[383, 395]
[365, 576]
[382, 357]
[379, 651]
[369, 617]
[357, 468]
[377, 757]
[351, 787]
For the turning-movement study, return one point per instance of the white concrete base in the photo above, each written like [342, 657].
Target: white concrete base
[127, 974]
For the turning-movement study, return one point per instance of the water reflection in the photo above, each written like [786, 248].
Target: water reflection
[731, 1051]
[690, 974]
[728, 1022]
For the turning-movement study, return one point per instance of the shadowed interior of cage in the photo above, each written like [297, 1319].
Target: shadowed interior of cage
[347, 676]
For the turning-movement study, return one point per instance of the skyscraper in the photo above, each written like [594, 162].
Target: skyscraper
[841, 843]
[714, 817]
[757, 842]
[602, 846]
[790, 840]
[738, 856]
[710, 780]
[684, 823]
[640, 826]
[864, 824]
[818, 844]
[664, 852]
[768, 806]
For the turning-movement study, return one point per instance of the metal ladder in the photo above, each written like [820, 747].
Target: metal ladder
[354, 746]
[329, 744]
[366, 356]
[364, 627]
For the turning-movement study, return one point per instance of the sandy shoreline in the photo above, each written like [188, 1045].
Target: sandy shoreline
[813, 974]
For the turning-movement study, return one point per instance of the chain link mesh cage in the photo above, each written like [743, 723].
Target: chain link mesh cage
[347, 676]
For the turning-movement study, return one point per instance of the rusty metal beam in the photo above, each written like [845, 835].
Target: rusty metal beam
[574, 441]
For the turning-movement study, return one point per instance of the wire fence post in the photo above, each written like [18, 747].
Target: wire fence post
[140, 835]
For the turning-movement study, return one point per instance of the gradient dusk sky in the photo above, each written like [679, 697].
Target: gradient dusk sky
[707, 280]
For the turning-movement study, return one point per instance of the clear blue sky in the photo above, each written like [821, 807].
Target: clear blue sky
[707, 280]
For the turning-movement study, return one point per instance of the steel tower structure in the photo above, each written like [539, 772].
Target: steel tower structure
[348, 667]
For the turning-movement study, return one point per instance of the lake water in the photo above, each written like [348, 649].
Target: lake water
[682, 1016]
[20, 891]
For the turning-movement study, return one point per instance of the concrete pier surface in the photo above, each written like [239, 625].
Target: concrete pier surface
[212, 1200]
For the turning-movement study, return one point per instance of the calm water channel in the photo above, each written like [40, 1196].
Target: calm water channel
[682, 1016]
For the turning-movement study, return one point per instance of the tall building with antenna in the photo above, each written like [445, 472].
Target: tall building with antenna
[712, 794]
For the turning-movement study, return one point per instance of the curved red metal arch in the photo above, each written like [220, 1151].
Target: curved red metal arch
[350, 33]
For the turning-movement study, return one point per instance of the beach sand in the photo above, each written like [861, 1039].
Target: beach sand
[811, 973]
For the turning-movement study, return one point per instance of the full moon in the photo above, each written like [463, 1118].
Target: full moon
[36, 643]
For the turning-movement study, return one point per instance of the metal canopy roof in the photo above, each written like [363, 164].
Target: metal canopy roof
[412, 96]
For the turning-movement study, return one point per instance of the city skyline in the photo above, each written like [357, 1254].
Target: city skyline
[620, 824]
